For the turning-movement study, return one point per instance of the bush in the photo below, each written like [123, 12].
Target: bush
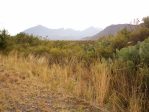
[129, 54]
[23, 38]
[144, 52]
[3, 41]
[138, 54]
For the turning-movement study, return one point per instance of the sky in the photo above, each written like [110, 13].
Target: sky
[18, 15]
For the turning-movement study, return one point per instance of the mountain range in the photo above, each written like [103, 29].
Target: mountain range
[111, 30]
[61, 33]
[90, 33]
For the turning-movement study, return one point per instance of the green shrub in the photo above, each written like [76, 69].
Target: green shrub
[144, 52]
[129, 54]
[23, 38]
[3, 39]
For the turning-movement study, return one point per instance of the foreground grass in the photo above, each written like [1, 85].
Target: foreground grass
[22, 91]
[102, 85]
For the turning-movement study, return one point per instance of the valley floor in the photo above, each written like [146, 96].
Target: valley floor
[21, 93]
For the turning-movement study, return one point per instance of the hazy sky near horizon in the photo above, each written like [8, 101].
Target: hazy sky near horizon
[18, 15]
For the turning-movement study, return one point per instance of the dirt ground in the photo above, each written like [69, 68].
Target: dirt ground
[21, 93]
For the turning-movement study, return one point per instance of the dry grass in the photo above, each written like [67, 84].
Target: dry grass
[96, 84]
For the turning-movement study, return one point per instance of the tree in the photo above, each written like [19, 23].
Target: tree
[146, 21]
[23, 38]
[3, 42]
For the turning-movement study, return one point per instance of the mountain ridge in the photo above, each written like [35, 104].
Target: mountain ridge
[61, 33]
[111, 30]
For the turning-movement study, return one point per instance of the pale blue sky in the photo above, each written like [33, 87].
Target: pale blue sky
[17, 15]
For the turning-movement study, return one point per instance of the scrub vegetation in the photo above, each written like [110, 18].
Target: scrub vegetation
[110, 74]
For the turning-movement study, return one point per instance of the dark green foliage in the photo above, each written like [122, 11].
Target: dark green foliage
[3, 39]
[139, 34]
[146, 21]
[121, 39]
[26, 39]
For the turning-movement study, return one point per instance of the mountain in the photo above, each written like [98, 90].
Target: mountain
[61, 34]
[111, 30]
[90, 31]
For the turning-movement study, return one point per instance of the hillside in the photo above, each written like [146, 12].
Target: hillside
[111, 30]
[61, 34]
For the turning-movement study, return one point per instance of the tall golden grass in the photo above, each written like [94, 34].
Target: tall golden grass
[101, 84]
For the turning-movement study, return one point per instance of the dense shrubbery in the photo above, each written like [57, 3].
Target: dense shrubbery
[138, 54]
[3, 39]
[86, 50]
[126, 56]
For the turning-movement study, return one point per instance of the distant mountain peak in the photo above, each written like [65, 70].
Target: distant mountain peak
[61, 33]
[39, 26]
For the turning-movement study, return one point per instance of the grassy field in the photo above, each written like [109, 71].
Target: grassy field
[109, 74]
[98, 85]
